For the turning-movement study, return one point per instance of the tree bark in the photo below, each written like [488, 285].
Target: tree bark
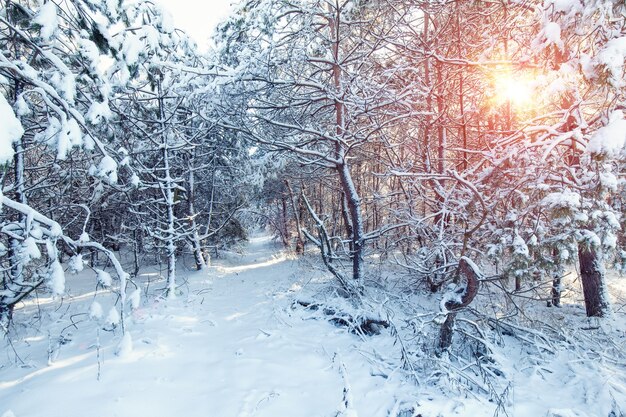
[556, 292]
[345, 177]
[346, 219]
[592, 277]
[168, 186]
[468, 271]
[16, 265]
[296, 215]
[285, 221]
[195, 237]
[354, 208]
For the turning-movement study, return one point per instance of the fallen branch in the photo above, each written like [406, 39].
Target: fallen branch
[365, 325]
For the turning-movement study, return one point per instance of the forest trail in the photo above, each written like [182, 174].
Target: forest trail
[230, 345]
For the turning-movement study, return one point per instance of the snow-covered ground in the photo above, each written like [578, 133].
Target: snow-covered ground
[234, 343]
[230, 345]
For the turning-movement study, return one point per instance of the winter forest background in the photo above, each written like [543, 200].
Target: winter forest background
[443, 179]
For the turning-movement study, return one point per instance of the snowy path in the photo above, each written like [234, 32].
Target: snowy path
[230, 346]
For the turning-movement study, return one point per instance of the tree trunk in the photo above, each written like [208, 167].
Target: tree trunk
[6, 315]
[463, 128]
[439, 186]
[556, 291]
[429, 100]
[16, 266]
[296, 215]
[592, 277]
[445, 333]
[191, 211]
[346, 220]
[354, 208]
[345, 177]
[467, 270]
[285, 221]
[168, 186]
[170, 245]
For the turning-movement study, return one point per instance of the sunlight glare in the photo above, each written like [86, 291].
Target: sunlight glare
[514, 89]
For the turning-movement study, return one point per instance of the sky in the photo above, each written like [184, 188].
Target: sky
[197, 18]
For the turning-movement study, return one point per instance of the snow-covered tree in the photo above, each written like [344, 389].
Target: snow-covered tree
[567, 157]
[316, 80]
[62, 66]
[54, 91]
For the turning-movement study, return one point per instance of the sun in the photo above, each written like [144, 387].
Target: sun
[515, 89]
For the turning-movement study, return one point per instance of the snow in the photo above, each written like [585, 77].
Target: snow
[131, 48]
[234, 344]
[562, 200]
[30, 250]
[48, 20]
[69, 137]
[51, 249]
[76, 264]
[50, 135]
[477, 270]
[612, 57]
[167, 21]
[609, 140]
[611, 219]
[125, 346]
[454, 295]
[587, 66]
[97, 112]
[112, 7]
[21, 107]
[104, 278]
[113, 317]
[95, 311]
[609, 181]
[231, 346]
[56, 230]
[36, 231]
[135, 299]
[134, 180]
[63, 144]
[565, 6]
[11, 130]
[64, 82]
[587, 237]
[107, 169]
[90, 51]
[519, 246]
[552, 33]
[56, 278]
[610, 241]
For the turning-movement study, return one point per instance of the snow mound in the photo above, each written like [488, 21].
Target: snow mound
[125, 347]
